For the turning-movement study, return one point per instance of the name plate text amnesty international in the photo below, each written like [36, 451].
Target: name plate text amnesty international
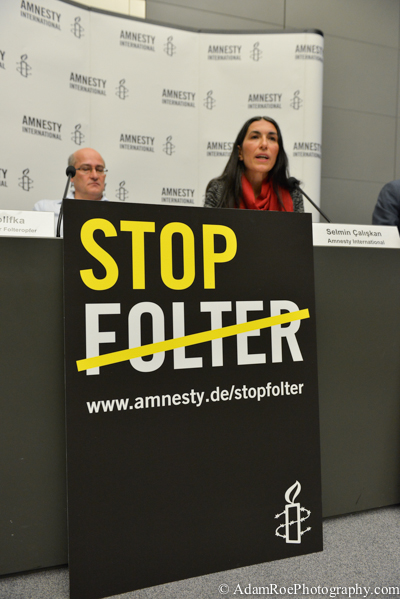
[339, 235]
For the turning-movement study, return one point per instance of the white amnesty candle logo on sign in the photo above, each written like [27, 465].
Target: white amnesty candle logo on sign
[293, 519]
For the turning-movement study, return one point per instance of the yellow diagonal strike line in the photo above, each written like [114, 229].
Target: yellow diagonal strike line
[154, 348]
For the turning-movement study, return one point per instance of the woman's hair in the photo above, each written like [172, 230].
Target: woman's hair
[232, 173]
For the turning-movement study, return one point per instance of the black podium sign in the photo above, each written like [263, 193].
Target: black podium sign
[191, 390]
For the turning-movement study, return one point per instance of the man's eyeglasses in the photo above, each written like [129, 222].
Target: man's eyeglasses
[86, 169]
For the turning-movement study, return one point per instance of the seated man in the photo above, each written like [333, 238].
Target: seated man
[387, 208]
[89, 181]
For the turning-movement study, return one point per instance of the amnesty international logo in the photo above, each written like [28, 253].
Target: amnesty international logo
[209, 101]
[77, 136]
[177, 97]
[265, 101]
[23, 67]
[122, 193]
[224, 52]
[137, 40]
[177, 195]
[25, 181]
[296, 102]
[77, 29]
[87, 83]
[307, 149]
[256, 53]
[40, 14]
[3, 177]
[169, 47]
[169, 147]
[293, 516]
[138, 143]
[43, 127]
[219, 148]
[121, 90]
[2, 55]
[309, 52]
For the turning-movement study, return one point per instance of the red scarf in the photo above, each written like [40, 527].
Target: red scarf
[267, 200]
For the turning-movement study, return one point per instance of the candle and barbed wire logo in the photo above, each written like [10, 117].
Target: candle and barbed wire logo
[77, 136]
[169, 47]
[122, 193]
[296, 102]
[256, 53]
[2, 63]
[293, 516]
[77, 29]
[23, 67]
[121, 90]
[209, 101]
[169, 147]
[25, 181]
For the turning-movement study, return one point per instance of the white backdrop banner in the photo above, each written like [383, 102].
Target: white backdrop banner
[162, 105]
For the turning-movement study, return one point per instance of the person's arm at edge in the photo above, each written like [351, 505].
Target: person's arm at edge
[387, 208]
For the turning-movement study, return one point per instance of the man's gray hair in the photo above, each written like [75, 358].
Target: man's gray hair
[72, 160]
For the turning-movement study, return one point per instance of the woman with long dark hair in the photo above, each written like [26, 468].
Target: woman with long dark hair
[256, 174]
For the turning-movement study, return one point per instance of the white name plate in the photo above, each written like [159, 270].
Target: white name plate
[18, 223]
[355, 236]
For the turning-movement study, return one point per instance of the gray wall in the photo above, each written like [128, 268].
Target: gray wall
[361, 106]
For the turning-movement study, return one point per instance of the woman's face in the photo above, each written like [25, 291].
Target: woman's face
[260, 148]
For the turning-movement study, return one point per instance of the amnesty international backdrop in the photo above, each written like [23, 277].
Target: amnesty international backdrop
[192, 402]
[162, 105]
